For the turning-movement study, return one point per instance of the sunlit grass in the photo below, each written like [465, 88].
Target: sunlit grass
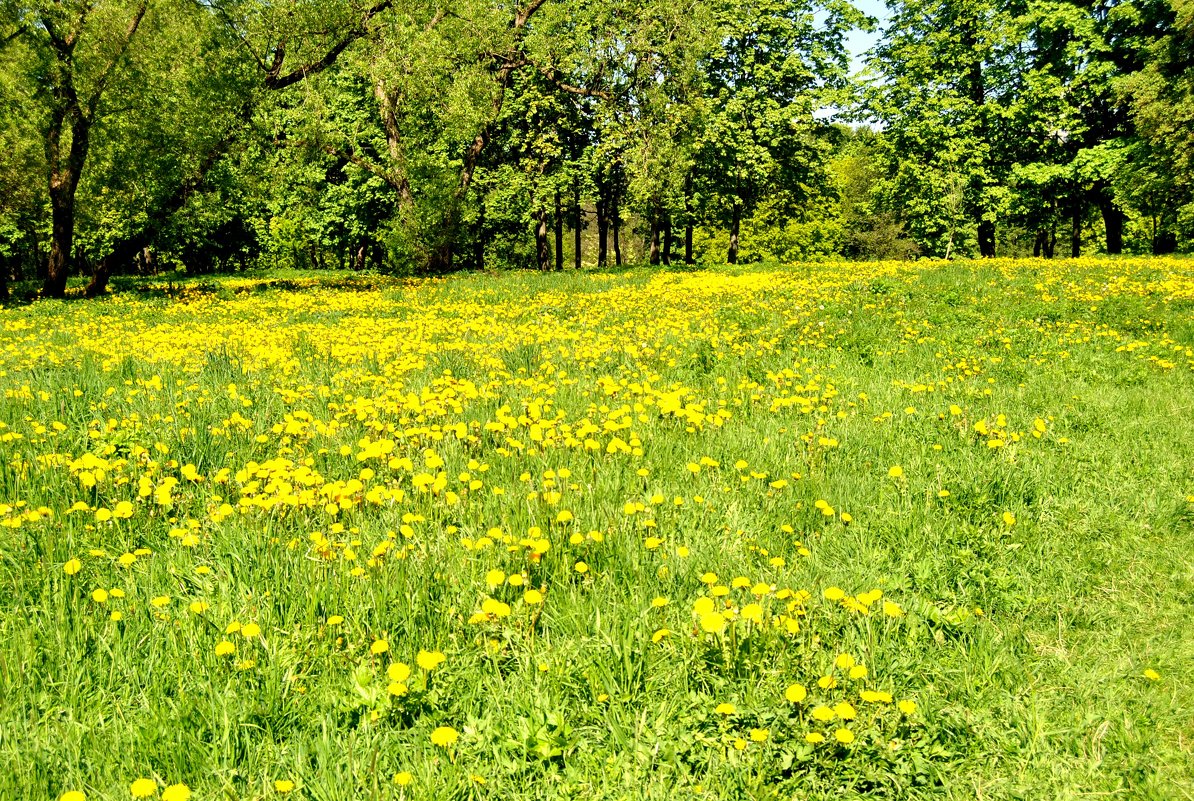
[885, 530]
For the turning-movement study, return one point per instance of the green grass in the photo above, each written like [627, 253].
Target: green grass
[1023, 640]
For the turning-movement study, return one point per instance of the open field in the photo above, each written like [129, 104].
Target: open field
[882, 530]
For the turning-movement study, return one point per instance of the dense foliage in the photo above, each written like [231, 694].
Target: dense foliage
[438, 134]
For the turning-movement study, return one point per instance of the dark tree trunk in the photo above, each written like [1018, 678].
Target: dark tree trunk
[735, 229]
[667, 241]
[479, 240]
[358, 263]
[577, 222]
[122, 254]
[1077, 206]
[62, 239]
[617, 223]
[1113, 223]
[65, 171]
[653, 256]
[1164, 242]
[441, 259]
[602, 230]
[688, 220]
[986, 239]
[1038, 244]
[559, 223]
[542, 251]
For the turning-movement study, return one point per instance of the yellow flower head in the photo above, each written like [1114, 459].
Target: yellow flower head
[143, 788]
[444, 736]
[429, 660]
[176, 792]
[713, 623]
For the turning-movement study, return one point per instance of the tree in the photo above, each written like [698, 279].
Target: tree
[775, 63]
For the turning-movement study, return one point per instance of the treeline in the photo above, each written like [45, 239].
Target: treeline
[437, 135]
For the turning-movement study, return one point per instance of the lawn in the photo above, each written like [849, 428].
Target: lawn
[827, 531]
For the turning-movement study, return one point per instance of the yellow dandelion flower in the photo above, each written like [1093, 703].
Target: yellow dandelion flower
[143, 788]
[176, 792]
[713, 623]
[795, 693]
[429, 660]
[444, 736]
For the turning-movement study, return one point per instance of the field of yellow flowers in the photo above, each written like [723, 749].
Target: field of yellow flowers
[882, 530]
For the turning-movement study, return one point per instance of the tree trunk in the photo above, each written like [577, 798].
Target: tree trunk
[667, 241]
[602, 229]
[735, 228]
[441, 259]
[986, 239]
[542, 251]
[688, 220]
[1076, 209]
[62, 235]
[479, 240]
[559, 223]
[1113, 223]
[65, 172]
[1038, 243]
[653, 257]
[577, 221]
[617, 222]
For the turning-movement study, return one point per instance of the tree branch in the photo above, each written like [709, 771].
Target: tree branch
[275, 80]
[102, 82]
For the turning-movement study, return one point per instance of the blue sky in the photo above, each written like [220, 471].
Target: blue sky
[861, 41]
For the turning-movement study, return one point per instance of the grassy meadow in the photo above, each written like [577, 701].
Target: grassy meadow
[874, 530]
